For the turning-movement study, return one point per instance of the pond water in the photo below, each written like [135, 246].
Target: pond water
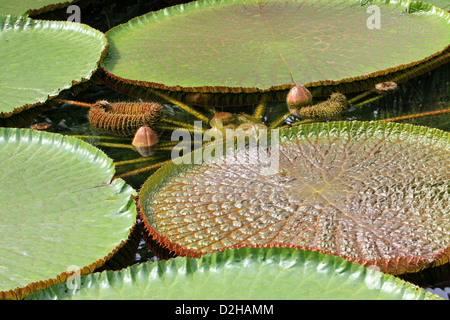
[425, 93]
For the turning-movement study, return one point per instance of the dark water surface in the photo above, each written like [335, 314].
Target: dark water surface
[425, 93]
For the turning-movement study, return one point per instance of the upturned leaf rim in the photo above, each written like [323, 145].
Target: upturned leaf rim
[161, 244]
[276, 92]
[120, 192]
[15, 23]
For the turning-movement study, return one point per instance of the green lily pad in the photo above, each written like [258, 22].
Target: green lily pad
[32, 7]
[41, 58]
[444, 4]
[59, 209]
[248, 46]
[374, 193]
[245, 273]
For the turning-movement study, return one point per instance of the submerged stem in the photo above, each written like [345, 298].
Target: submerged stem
[418, 115]
[168, 144]
[116, 145]
[296, 123]
[259, 110]
[276, 123]
[177, 123]
[77, 103]
[154, 166]
[181, 105]
[170, 128]
[369, 101]
[138, 160]
[361, 96]
[100, 137]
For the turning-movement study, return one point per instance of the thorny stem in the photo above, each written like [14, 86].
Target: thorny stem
[369, 100]
[100, 137]
[138, 160]
[402, 76]
[77, 103]
[276, 123]
[116, 145]
[259, 110]
[181, 105]
[171, 148]
[361, 96]
[296, 123]
[161, 146]
[170, 128]
[177, 123]
[418, 115]
[168, 144]
[153, 166]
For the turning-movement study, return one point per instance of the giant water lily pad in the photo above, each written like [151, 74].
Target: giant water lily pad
[374, 193]
[42, 58]
[32, 7]
[444, 4]
[59, 210]
[248, 46]
[245, 273]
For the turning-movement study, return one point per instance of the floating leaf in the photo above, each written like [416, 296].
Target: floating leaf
[444, 4]
[59, 209]
[245, 273]
[247, 46]
[374, 193]
[32, 7]
[41, 58]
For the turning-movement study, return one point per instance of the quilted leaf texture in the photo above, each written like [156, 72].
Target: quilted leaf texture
[371, 192]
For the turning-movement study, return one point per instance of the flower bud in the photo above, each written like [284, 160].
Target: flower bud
[298, 97]
[144, 141]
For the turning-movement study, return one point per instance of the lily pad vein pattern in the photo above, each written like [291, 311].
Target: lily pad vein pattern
[259, 45]
[368, 197]
[59, 208]
[42, 58]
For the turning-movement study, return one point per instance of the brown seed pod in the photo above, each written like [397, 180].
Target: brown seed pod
[327, 110]
[123, 118]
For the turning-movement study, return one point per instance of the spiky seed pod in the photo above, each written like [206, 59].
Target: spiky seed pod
[298, 97]
[145, 141]
[339, 98]
[332, 108]
[386, 87]
[123, 118]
